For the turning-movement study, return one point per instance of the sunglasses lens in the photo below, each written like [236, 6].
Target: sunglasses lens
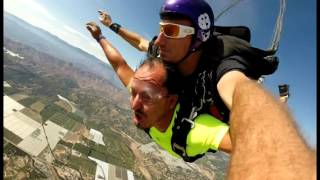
[170, 30]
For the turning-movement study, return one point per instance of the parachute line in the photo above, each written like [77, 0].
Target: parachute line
[278, 29]
[232, 4]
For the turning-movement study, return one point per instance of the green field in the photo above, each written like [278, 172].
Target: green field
[10, 136]
[33, 115]
[11, 149]
[63, 120]
[82, 148]
[28, 101]
[10, 90]
[85, 164]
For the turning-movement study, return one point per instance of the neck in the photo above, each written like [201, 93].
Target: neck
[188, 66]
[165, 121]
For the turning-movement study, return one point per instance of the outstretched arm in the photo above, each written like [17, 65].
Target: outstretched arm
[228, 81]
[118, 63]
[134, 39]
[266, 142]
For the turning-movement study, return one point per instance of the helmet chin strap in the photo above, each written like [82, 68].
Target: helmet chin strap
[198, 45]
[191, 50]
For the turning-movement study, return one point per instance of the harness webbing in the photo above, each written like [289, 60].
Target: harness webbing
[276, 37]
[180, 132]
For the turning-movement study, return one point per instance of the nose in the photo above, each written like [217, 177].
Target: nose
[135, 102]
[160, 41]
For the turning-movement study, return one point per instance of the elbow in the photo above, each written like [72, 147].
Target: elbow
[226, 144]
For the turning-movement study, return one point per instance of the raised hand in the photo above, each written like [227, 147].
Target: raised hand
[105, 18]
[94, 29]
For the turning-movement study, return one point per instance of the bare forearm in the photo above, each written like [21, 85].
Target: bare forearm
[117, 61]
[266, 143]
[134, 39]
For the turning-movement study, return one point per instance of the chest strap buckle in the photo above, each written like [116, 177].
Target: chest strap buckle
[189, 121]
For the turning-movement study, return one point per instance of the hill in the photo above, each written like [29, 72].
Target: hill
[22, 32]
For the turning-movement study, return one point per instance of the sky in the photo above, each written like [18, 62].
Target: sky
[297, 49]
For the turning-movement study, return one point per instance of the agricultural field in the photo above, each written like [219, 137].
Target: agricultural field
[37, 106]
[64, 105]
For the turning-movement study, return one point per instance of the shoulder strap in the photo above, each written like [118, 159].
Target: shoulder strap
[180, 131]
[241, 32]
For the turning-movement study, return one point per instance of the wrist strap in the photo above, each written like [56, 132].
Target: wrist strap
[100, 37]
[115, 27]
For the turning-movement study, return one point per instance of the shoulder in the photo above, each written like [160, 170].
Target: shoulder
[222, 46]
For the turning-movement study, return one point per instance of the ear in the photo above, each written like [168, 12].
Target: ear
[173, 99]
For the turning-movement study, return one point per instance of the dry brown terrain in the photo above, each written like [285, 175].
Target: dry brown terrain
[37, 106]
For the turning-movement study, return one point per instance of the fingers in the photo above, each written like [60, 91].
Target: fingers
[101, 12]
[91, 26]
[91, 23]
[104, 17]
[94, 29]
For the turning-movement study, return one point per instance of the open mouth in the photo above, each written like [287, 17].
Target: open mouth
[137, 117]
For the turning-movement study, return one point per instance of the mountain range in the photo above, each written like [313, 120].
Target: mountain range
[20, 31]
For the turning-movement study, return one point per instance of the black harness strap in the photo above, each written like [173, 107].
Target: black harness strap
[180, 132]
[192, 101]
[153, 51]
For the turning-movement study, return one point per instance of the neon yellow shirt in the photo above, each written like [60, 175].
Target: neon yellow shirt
[207, 134]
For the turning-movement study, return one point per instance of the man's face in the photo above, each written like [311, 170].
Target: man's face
[149, 98]
[173, 49]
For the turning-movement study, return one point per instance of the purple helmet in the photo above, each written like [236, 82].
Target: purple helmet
[198, 11]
